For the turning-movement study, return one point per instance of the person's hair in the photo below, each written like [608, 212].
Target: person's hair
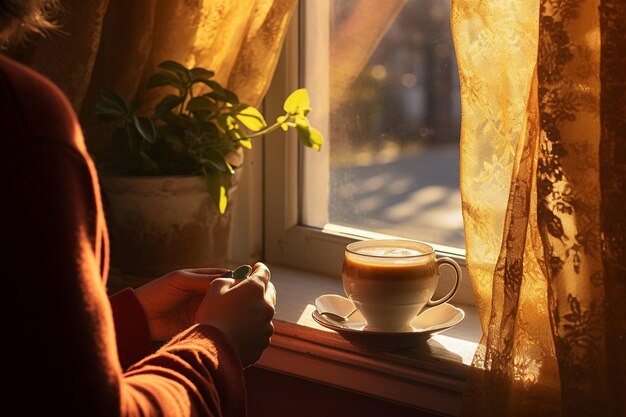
[20, 18]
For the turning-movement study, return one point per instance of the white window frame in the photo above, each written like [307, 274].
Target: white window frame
[285, 240]
[306, 262]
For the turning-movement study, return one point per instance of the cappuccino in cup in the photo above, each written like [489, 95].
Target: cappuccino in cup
[390, 281]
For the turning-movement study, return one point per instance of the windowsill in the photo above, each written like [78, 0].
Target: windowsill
[429, 377]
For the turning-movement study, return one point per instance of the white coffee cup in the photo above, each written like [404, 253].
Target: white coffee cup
[390, 281]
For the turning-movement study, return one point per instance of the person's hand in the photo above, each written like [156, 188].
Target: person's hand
[170, 302]
[243, 311]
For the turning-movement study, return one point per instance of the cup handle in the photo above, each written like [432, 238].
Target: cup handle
[457, 281]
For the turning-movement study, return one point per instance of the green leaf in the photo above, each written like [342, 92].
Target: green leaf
[236, 107]
[215, 86]
[230, 123]
[301, 122]
[106, 111]
[219, 184]
[209, 129]
[216, 161]
[146, 129]
[236, 133]
[201, 74]
[309, 136]
[252, 119]
[231, 171]
[316, 139]
[202, 103]
[220, 93]
[114, 101]
[231, 96]
[215, 96]
[164, 78]
[223, 200]
[180, 70]
[298, 102]
[168, 103]
[283, 121]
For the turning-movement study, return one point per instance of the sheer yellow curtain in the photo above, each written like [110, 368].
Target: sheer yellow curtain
[543, 182]
[116, 44]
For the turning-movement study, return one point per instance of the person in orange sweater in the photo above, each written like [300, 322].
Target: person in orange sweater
[69, 350]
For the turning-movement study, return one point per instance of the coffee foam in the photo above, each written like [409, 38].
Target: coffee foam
[388, 252]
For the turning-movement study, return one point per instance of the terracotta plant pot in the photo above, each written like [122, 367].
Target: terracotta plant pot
[160, 224]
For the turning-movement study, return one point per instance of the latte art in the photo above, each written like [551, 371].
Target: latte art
[389, 252]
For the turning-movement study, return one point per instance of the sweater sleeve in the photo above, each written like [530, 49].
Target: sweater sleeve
[201, 370]
[60, 343]
[131, 327]
[68, 325]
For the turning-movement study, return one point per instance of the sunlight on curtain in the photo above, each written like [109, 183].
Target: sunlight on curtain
[116, 45]
[543, 180]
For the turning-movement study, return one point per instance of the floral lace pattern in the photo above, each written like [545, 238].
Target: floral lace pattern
[551, 290]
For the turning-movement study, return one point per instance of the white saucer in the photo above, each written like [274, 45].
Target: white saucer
[426, 324]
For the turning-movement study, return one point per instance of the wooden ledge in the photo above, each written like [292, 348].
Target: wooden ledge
[429, 377]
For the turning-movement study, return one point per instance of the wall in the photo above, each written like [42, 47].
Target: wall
[272, 394]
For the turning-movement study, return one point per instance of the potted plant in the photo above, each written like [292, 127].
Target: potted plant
[174, 168]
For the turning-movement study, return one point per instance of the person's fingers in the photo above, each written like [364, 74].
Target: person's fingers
[270, 293]
[206, 271]
[194, 280]
[261, 273]
[219, 286]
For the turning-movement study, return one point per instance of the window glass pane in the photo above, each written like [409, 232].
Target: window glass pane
[394, 118]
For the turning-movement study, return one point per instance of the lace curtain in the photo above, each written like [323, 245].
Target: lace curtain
[543, 182]
[116, 45]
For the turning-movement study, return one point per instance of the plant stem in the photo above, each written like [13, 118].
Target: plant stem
[265, 131]
[185, 99]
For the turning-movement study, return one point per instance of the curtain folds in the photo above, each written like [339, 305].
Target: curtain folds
[116, 45]
[543, 183]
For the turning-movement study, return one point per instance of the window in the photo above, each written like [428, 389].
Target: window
[392, 113]
[385, 93]
[380, 102]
